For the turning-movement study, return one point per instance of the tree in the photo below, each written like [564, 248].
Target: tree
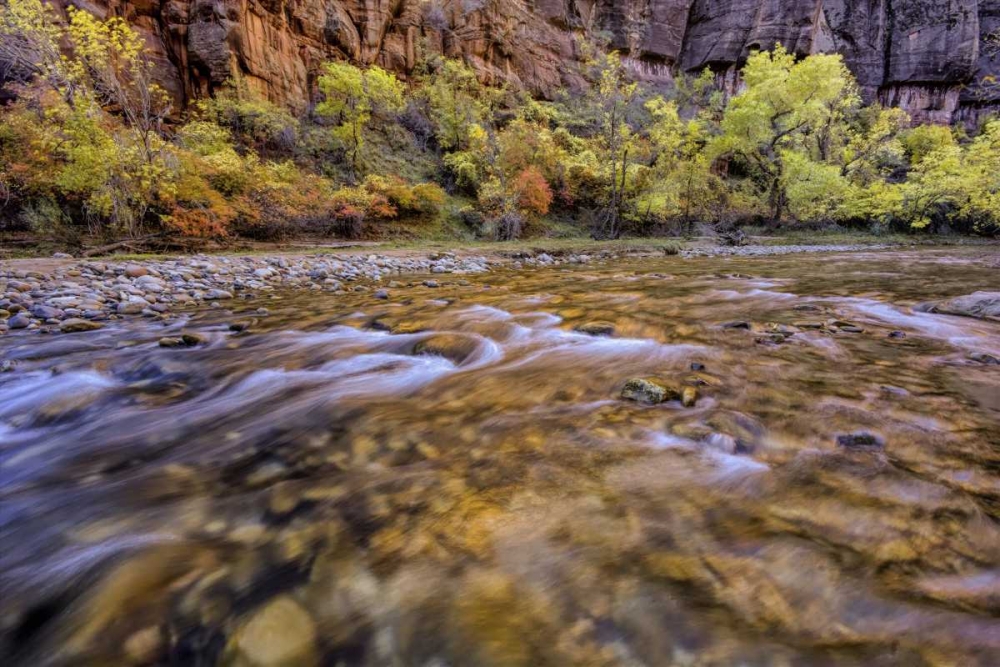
[30, 46]
[456, 101]
[614, 95]
[103, 125]
[873, 148]
[925, 140]
[120, 74]
[351, 96]
[957, 183]
[684, 185]
[785, 102]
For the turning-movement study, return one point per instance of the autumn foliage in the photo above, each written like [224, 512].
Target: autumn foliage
[91, 145]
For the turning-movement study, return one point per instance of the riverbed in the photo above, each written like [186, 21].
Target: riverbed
[445, 471]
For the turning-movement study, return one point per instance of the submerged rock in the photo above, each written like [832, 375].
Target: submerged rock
[454, 347]
[144, 646]
[689, 396]
[193, 338]
[171, 341]
[740, 324]
[985, 358]
[860, 440]
[645, 390]
[596, 328]
[282, 634]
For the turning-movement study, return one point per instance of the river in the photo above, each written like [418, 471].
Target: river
[450, 476]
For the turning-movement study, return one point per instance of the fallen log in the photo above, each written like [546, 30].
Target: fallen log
[117, 245]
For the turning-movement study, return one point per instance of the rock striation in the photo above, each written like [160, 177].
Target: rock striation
[930, 57]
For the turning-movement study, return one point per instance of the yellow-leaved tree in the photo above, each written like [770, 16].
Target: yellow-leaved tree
[351, 96]
[786, 103]
[98, 110]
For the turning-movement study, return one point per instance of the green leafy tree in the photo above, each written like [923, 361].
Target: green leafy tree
[456, 102]
[614, 97]
[924, 140]
[785, 103]
[684, 186]
[872, 149]
[958, 183]
[351, 96]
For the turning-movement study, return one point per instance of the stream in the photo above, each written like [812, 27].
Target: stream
[450, 476]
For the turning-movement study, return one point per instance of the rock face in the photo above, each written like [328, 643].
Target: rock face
[931, 57]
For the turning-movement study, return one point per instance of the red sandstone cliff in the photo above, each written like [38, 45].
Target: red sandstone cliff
[924, 55]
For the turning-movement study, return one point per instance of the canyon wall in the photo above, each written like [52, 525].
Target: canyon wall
[931, 57]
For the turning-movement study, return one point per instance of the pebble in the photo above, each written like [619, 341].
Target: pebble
[144, 646]
[689, 396]
[132, 306]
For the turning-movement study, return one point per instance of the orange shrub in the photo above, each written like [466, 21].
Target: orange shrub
[533, 192]
[196, 209]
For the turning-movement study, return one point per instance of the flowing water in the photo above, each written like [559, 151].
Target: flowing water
[449, 477]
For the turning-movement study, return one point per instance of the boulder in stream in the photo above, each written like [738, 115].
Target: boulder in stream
[647, 390]
[977, 304]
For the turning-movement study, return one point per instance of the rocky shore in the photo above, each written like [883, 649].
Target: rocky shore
[72, 296]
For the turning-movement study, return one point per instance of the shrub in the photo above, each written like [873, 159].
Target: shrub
[196, 209]
[254, 122]
[534, 196]
[423, 198]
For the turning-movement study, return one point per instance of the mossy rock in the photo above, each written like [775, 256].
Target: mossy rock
[649, 391]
